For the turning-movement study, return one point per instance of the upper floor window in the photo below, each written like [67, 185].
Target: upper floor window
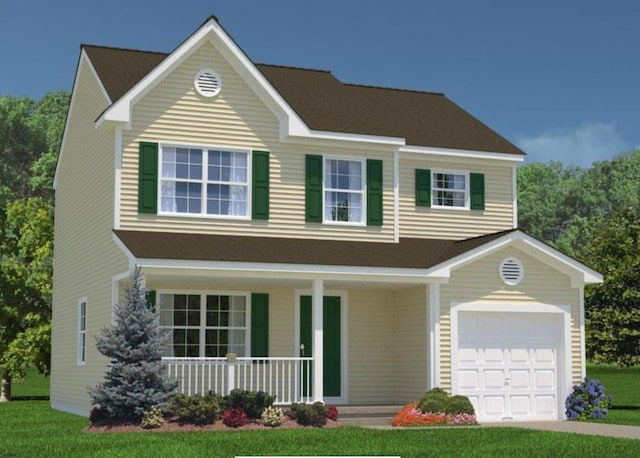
[450, 189]
[204, 181]
[343, 191]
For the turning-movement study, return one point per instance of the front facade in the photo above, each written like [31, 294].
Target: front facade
[349, 244]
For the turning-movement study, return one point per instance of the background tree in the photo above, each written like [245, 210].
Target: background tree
[135, 379]
[26, 268]
[30, 136]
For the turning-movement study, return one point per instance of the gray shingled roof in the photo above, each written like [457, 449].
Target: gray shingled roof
[326, 104]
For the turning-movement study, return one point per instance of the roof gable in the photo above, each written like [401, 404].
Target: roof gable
[314, 99]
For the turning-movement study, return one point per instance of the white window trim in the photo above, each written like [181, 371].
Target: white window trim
[204, 181]
[203, 328]
[467, 194]
[362, 161]
[82, 332]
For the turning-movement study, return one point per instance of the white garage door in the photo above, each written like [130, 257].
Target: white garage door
[507, 364]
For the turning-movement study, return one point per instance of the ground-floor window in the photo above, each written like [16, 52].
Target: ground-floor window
[205, 324]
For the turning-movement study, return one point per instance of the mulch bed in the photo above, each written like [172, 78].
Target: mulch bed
[172, 425]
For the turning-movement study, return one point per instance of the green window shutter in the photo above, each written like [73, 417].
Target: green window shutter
[148, 178]
[260, 185]
[259, 325]
[423, 187]
[477, 191]
[374, 192]
[150, 300]
[313, 188]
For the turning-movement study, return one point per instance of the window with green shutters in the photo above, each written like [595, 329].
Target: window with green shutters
[343, 190]
[449, 189]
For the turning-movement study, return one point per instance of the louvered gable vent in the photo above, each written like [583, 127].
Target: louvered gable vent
[511, 271]
[208, 83]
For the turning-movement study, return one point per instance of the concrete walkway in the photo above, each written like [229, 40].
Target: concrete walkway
[578, 427]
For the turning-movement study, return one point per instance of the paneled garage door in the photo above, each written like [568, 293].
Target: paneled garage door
[507, 364]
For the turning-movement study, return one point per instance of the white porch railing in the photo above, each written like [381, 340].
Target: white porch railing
[289, 379]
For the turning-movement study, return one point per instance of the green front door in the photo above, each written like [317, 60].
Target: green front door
[332, 339]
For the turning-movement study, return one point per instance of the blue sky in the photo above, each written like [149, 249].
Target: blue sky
[561, 79]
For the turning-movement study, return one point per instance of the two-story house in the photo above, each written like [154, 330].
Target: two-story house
[351, 244]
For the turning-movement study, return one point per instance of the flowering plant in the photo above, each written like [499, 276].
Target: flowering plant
[234, 417]
[410, 415]
[588, 400]
[332, 412]
[272, 416]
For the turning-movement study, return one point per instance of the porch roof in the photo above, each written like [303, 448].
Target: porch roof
[409, 253]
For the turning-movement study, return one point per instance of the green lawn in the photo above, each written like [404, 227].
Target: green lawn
[30, 428]
[622, 384]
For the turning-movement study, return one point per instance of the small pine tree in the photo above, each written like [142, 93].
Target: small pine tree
[135, 379]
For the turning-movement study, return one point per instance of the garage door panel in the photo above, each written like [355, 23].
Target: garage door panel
[508, 365]
[545, 404]
[493, 379]
[469, 379]
[520, 379]
[544, 379]
[520, 405]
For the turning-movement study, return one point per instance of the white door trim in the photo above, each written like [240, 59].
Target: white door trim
[564, 360]
[344, 337]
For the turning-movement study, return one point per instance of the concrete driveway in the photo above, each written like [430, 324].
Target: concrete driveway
[578, 427]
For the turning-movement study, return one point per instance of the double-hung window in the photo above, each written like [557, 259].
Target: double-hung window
[205, 325]
[344, 191]
[203, 181]
[450, 189]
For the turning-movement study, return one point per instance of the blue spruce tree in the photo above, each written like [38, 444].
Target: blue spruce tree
[135, 380]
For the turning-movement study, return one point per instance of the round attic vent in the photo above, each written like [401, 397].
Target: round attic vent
[511, 271]
[208, 83]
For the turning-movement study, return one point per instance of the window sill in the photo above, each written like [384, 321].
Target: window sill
[209, 217]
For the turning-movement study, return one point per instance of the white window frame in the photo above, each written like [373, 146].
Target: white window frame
[203, 316]
[467, 194]
[205, 180]
[363, 191]
[82, 331]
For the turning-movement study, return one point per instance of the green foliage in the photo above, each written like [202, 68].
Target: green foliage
[459, 404]
[434, 400]
[135, 379]
[252, 402]
[272, 416]
[196, 409]
[152, 418]
[309, 414]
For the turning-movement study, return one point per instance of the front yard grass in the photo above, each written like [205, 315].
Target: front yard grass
[31, 428]
[622, 384]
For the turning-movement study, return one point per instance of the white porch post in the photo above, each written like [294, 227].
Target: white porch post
[317, 308]
[433, 307]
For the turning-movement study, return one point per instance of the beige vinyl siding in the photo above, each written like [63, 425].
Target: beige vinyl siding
[371, 346]
[411, 337]
[456, 223]
[173, 113]
[86, 257]
[479, 282]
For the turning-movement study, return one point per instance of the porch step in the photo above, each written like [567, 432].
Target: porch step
[368, 415]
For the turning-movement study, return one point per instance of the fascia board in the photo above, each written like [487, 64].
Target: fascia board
[298, 271]
[451, 152]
